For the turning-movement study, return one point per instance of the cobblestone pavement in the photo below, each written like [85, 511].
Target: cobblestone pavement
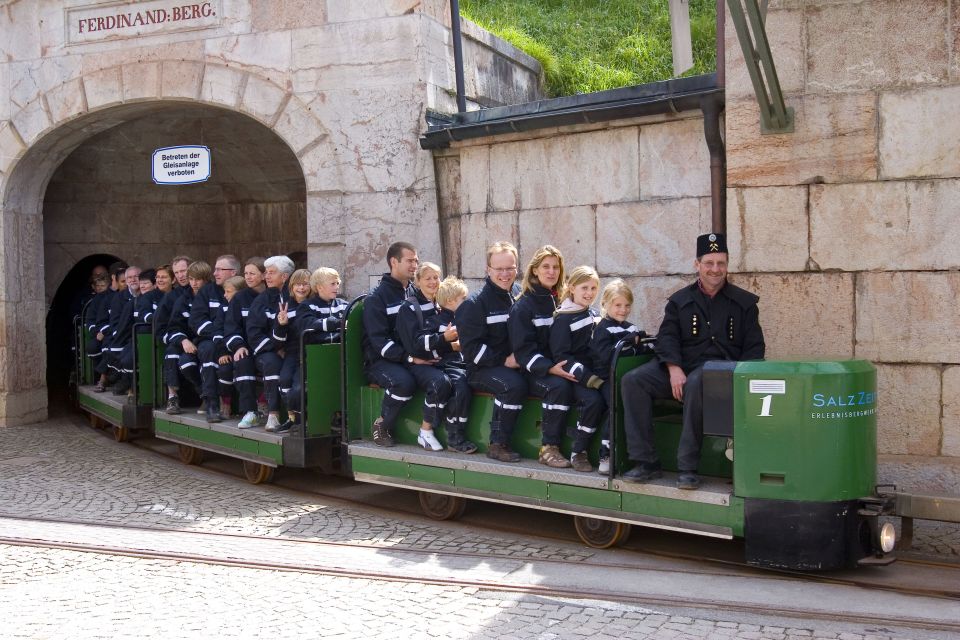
[61, 470]
[54, 594]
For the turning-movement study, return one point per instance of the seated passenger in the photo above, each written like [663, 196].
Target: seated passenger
[182, 340]
[286, 335]
[121, 325]
[206, 321]
[101, 287]
[418, 328]
[530, 320]
[385, 359]
[570, 338]
[615, 303]
[238, 365]
[491, 366]
[161, 329]
[143, 309]
[710, 319]
[317, 322]
[110, 306]
[451, 293]
[259, 326]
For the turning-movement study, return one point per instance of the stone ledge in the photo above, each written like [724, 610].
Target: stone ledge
[23, 407]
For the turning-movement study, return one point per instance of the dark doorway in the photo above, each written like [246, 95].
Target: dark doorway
[72, 294]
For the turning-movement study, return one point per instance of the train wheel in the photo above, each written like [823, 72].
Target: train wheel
[120, 433]
[442, 507]
[94, 420]
[600, 534]
[189, 455]
[257, 473]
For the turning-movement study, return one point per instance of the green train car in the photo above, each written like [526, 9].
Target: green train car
[799, 490]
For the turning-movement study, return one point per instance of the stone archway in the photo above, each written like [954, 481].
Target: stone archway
[38, 137]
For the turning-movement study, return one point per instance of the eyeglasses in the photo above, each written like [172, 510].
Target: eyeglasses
[224, 269]
[503, 270]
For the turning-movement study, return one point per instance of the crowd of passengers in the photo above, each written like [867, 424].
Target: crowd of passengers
[540, 337]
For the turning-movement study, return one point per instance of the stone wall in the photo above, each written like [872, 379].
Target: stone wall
[343, 84]
[627, 197]
[847, 227]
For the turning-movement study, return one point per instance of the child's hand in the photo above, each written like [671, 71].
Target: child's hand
[224, 359]
[455, 345]
[241, 354]
[451, 335]
[511, 362]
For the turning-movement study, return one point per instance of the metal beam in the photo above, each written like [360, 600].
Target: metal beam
[775, 115]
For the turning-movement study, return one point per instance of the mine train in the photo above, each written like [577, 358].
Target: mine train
[788, 463]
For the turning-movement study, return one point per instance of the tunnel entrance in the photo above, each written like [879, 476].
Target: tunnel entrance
[101, 202]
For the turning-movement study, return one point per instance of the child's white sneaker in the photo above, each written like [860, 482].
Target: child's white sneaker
[249, 420]
[272, 423]
[428, 441]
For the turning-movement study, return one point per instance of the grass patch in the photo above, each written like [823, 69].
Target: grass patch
[592, 45]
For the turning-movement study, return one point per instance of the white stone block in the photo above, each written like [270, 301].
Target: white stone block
[674, 160]
[908, 225]
[267, 53]
[656, 237]
[350, 10]
[906, 425]
[356, 55]
[908, 317]
[181, 79]
[262, 99]
[804, 315]
[480, 230]
[475, 178]
[854, 46]
[103, 88]
[570, 229]
[11, 146]
[767, 228]
[586, 168]
[298, 125]
[32, 120]
[919, 133]
[951, 412]
[141, 81]
[221, 85]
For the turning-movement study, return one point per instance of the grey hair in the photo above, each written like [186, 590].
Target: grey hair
[282, 263]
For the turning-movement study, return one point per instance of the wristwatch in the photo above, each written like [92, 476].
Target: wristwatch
[409, 358]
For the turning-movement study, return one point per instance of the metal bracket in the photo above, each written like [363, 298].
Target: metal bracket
[775, 115]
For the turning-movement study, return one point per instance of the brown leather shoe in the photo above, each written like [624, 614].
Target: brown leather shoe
[550, 455]
[581, 463]
[502, 453]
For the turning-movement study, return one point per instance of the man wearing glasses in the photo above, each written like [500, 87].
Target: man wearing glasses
[491, 366]
[206, 320]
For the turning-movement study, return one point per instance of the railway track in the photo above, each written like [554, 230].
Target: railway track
[508, 575]
[908, 577]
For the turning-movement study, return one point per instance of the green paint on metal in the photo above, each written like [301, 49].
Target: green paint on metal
[355, 381]
[146, 384]
[506, 485]
[110, 412]
[437, 475]
[375, 466]
[173, 428]
[686, 510]
[86, 374]
[323, 380]
[597, 498]
[805, 430]
[775, 116]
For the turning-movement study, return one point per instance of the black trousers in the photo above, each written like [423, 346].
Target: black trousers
[640, 388]
[509, 389]
[178, 365]
[591, 415]
[269, 365]
[555, 393]
[243, 372]
[398, 385]
[458, 405]
[437, 389]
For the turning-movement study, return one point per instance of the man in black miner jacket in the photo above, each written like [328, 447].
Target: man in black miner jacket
[485, 345]
[710, 319]
[384, 357]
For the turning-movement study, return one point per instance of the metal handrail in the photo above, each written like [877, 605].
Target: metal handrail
[303, 377]
[344, 432]
[642, 339]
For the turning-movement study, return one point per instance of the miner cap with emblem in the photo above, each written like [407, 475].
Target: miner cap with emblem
[711, 243]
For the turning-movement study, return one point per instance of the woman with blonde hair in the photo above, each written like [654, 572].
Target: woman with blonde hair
[529, 327]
